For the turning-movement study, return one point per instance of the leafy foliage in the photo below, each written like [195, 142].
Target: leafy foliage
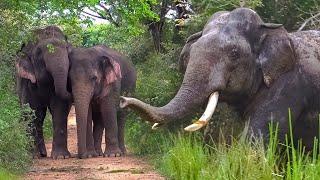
[156, 91]
[14, 143]
[289, 13]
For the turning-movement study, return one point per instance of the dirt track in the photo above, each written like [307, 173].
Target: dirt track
[127, 168]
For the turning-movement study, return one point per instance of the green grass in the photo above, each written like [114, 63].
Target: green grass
[184, 160]
[188, 158]
[5, 175]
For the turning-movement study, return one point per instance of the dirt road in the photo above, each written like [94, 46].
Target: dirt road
[127, 168]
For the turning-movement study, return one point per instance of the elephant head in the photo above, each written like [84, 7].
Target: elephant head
[45, 59]
[92, 71]
[214, 24]
[243, 55]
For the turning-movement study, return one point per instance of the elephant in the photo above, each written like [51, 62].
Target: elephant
[99, 75]
[258, 68]
[42, 71]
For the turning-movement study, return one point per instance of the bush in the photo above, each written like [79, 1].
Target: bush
[158, 81]
[14, 143]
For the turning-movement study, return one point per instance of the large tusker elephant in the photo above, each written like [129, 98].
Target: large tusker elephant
[98, 76]
[257, 67]
[42, 72]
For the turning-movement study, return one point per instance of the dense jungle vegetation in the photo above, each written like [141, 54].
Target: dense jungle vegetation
[143, 30]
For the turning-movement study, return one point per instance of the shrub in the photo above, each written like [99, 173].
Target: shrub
[157, 83]
[14, 143]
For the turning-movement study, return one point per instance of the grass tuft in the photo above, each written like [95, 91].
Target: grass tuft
[187, 159]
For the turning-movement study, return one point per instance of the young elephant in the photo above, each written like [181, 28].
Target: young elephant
[42, 71]
[98, 76]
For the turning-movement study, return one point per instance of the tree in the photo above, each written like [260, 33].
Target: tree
[289, 13]
[135, 13]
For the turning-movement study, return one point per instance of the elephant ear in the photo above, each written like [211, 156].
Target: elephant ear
[112, 70]
[185, 53]
[25, 69]
[275, 55]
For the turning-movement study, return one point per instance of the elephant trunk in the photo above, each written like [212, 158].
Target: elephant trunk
[183, 104]
[82, 98]
[57, 64]
[186, 101]
[60, 79]
[200, 81]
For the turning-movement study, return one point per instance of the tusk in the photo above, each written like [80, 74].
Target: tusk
[155, 126]
[204, 119]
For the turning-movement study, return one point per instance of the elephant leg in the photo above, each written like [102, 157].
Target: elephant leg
[59, 110]
[109, 116]
[89, 136]
[307, 129]
[98, 128]
[276, 111]
[122, 114]
[37, 132]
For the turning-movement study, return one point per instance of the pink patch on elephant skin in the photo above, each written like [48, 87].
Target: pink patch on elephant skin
[113, 74]
[23, 73]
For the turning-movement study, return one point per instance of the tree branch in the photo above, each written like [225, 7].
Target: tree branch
[108, 13]
[93, 15]
[308, 20]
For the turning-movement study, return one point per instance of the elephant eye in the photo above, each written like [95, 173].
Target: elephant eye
[93, 78]
[234, 55]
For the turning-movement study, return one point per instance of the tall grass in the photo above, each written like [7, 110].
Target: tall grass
[185, 159]
[188, 158]
[5, 175]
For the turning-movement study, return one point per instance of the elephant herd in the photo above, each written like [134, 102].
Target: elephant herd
[258, 68]
[53, 75]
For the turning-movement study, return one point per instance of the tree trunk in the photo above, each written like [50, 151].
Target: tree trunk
[156, 28]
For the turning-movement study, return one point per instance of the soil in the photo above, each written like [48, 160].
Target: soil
[128, 167]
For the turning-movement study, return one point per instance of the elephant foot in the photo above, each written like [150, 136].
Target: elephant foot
[123, 150]
[99, 151]
[92, 153]
[112, 152]
[37, 155]
[60, 154]
[88, 154]
[42, 151]
[83, 155]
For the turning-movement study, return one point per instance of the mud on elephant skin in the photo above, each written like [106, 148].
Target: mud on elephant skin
[42, 70]
[98, 76]
[259, 68]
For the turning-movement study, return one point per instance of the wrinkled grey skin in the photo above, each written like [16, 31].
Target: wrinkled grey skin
[42, 71]
[259, 68]
[215, 23]
[96, 98]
